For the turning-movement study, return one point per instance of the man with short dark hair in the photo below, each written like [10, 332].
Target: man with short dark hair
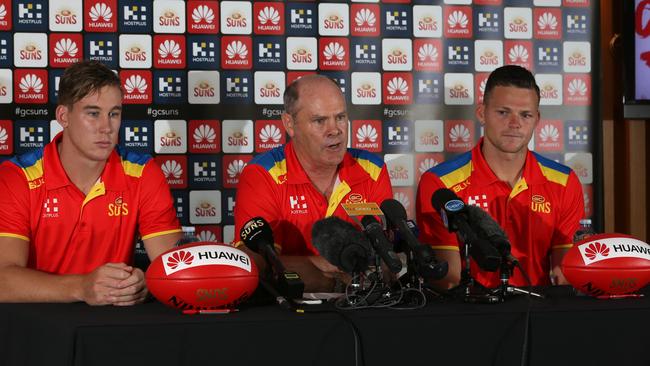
[297, 184]
[537, 201]
[69, 212]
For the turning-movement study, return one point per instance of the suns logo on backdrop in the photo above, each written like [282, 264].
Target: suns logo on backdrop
[233, 166]
[205, 207]
[66, 49]
[366, 88]
[203, 17]
[429, 136]
[30, 15]
[170, 136]
[550, 86]
[237, 136]
[6, 86]
[30, 49]
[333, 19]
[236, 17]
[459, 89]
[367, 135]
[397, 54]
[203, 87]
[397, 87]
[582, 165]
[365, 20]
[488, 55]
[135, 51]
[174, 168]
[577, 57]
[30, 86]
[302, 53]
[169, 51]
[302, 19]
[518, 23]
[268, 18]
[459, 135]
[549, 136]
[519, 53]
[427, 21]
[6, 137]
[100, 16]
[169, 87]
[269, 87]
[65, 16]
[577, 89]
[5, 15]
[236, 52]
[428, 55]
[400, 169]
[205, 136]
[137, 86]
[204, 171]
[169, 16]
[269, 134]
[137, 135]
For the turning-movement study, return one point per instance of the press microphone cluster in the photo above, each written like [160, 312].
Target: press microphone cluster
[341, 244]
[258, 237]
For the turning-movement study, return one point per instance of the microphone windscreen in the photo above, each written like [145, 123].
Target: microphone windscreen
[393, 210]
[256, 232]
[488, 228]
[440, 198]
[341, 244]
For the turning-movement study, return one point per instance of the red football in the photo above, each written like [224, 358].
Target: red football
[608, 264]
[202, 276]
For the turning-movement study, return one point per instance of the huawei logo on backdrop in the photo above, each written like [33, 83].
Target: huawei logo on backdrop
[204, 134]
[366, 20]
[237, 53]
[135, 84]
[100, 16]
[203, 16]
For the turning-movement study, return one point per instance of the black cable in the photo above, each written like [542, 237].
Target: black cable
[524, 350]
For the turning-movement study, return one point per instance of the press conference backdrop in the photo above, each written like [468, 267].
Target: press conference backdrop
[203, 80]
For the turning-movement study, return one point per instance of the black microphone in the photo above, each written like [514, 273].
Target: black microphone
[425, 259]
[454, 215]
[258, 237]
[375, 232]
[486, 227]
[341, 244]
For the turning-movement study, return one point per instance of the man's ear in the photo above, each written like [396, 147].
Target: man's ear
[480, 113]
[288, 123]
[62, 115]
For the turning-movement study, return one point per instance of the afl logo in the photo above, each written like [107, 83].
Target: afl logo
[355, 198]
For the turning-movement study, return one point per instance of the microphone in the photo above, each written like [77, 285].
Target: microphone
[454, 215]
[375, 232]
[486, 227]
[425, 259]
[341, 244]
[258, 237]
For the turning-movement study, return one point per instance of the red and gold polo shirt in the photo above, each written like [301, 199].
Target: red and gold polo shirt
[71, 233]
[275, 186]
[540, 213]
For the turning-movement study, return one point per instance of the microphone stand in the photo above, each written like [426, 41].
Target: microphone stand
[505, 289]
[472, 291]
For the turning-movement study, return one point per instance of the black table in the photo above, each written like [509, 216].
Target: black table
[563, 330]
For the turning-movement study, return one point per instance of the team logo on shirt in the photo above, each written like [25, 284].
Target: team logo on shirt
[355, 198]
[538, 203]
[118, 208]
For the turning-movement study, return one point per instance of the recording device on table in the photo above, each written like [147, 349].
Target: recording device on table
[484, 241]
[285, 285]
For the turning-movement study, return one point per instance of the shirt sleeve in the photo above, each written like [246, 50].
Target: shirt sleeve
[572, 209]
[256, 196]
[432, 230]
[157, 215]
[14, 203]
[381, 190]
